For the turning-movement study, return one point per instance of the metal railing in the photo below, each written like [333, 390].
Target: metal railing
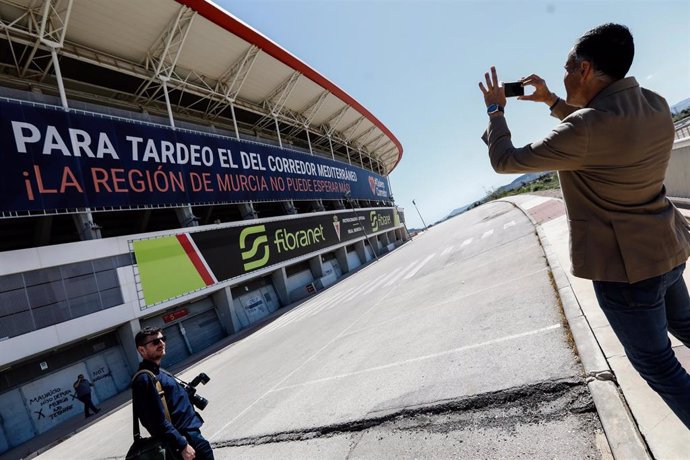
[682, 128]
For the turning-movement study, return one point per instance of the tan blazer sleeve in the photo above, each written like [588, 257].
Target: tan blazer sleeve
[562, 110]
[564, 149]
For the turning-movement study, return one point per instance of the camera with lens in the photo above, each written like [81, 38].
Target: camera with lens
[198, 401]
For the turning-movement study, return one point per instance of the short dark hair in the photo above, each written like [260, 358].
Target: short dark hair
[140, 338]
[609, 47]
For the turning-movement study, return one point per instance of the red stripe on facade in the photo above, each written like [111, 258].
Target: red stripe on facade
[233, 25]
[183, 238]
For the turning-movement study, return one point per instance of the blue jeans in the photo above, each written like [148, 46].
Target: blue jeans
[88, 404]
[641, 314]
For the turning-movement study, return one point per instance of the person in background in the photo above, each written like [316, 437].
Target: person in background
[82, 387]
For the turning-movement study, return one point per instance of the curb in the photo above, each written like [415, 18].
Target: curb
[620, 428]
[624, 438]
[621, 431]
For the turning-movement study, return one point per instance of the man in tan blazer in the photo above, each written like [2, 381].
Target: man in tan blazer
[611, 151]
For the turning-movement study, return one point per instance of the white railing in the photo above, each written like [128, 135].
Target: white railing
[683, 128]
[678, 173]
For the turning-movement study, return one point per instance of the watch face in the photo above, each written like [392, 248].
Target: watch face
[492, 108]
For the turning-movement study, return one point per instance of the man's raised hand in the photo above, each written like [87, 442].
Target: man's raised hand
[493, 93]
[541, 91]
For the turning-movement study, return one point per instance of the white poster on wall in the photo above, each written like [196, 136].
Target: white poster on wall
[51, 400]
[255, 307]
[101, 377]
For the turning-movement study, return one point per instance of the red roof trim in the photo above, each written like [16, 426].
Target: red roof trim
[225, 20]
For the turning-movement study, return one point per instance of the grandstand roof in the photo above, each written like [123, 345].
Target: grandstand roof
[123, 50]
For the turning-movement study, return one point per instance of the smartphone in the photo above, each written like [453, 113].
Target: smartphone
[514, 89]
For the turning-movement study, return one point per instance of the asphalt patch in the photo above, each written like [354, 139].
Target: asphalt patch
[506, 409]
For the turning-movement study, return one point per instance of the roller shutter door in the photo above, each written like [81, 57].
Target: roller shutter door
[353, 259]
[15, 423]
[175, 347]
[203, 330]
[118, 368]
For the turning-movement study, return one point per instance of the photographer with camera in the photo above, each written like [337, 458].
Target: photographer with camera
[611, 150]
[172, 418]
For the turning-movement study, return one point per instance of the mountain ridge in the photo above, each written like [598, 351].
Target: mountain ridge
[680, 106]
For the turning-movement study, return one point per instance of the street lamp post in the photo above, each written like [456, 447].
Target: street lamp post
[420, 214]
[348, 198]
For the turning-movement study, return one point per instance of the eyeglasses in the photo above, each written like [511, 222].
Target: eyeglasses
[157, 341]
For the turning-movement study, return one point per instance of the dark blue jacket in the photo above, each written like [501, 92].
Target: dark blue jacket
[83, 388]
[149, 409]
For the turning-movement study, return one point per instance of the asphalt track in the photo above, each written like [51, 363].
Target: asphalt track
[452, 346]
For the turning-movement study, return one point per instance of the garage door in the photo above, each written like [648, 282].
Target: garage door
[175, 347]
[15, 423]
[353, 259]
[203, 330]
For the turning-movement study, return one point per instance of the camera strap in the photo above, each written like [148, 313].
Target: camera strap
[174, 377]
[161, 393]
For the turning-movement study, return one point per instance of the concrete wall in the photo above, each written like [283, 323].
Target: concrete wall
[33, 343]
[678, 173]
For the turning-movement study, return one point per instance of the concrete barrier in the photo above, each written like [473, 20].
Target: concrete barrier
[678, 173]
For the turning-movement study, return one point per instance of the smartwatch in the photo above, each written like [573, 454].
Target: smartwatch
[493, 108]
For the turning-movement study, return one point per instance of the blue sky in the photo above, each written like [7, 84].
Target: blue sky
[416, 64]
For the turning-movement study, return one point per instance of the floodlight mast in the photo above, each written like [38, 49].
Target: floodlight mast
[420, 214]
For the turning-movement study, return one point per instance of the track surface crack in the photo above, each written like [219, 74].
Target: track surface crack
[550, 399]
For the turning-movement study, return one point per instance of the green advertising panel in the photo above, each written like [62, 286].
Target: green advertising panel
[178, 264]
[165, 269]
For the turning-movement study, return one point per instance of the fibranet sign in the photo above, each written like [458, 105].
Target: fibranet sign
[174, 265]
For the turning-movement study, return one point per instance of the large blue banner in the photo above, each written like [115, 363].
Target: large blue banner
[51, 159]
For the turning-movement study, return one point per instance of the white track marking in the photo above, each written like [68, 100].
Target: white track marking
[383, 280]
[341, 295]
[423, 358]
[416, 312]
[393, 280]
[304, 311]
[338, 299]
[488, 233]
[290, 374]
[330, 302]
[466, 242]
[319, 308]
[316, 306]
[288, 318]
[509, 224]
[364, 286]
[302, 314]
[419, 266]
[448, 250]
